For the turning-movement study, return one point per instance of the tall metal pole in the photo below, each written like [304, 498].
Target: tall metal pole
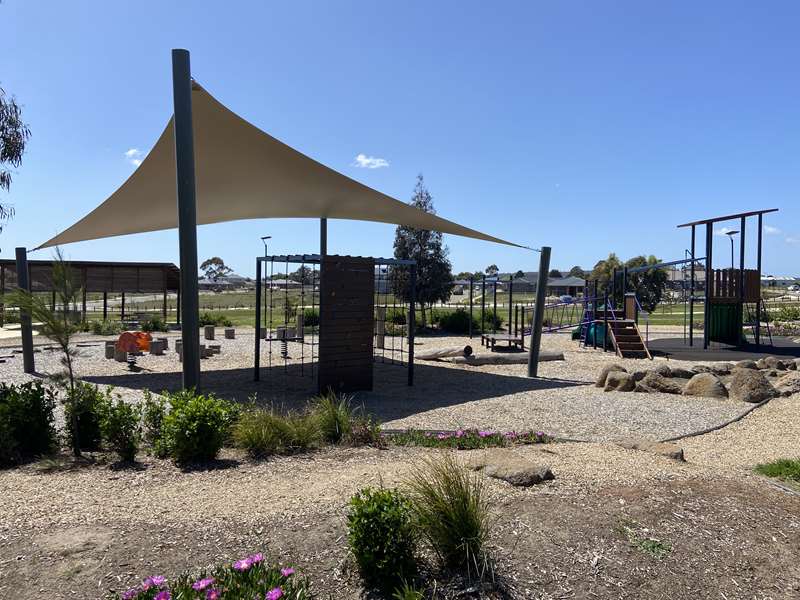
[412, 323]
[24, 283]
[538, 312]
[187, 216]
[709, 283]
[691, 289]
[470, 307]
[758, 266]
[323, 236]
[257, 351]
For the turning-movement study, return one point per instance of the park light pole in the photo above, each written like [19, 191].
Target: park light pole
[264, 241]
[730, 235]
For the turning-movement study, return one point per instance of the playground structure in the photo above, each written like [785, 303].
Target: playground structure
[343, 317]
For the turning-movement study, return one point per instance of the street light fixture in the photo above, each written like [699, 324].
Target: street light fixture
[264, 240]
[730, 235]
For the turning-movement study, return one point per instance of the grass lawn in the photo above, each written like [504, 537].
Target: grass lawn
[787, 470]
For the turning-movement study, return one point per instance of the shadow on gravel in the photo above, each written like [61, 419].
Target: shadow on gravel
[289, 388]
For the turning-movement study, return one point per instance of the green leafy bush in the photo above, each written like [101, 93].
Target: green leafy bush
[396, 316]
[154, 323]
[783, 468]
[106, 327]
[451, 509]
[245, 579]
[311, 317]
[263, 432]
[154, 409]
[214, 318]
[456, 321]
[90, 404]
[788, 313]
[335, 416]
[381, 536]
[490, 319]
[196, 426]
[26, 421]
[121, 429]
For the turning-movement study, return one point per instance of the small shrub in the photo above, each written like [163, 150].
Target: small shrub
[90, 404]
[311, 317]
[154, 323]
[451, 509]
[196, 427]
[154, 409]
[26, 421]
[783, 469]
[380, 533]
[335, 416]
[456, 321]
[214, 318]
[106, 327]
[467, 439]
[490, 319]
[121, 430]
[364, 431]
[245, 579]
[263, 432]
[396, 316]
[407, 592]
[788, 313]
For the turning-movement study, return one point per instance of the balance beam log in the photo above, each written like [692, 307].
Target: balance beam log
[504, 359]
[461, 351]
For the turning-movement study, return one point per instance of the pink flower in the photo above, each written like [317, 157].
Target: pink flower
[287, 571]
[274, 594]
[127, 595]
[213, 595]
[202, 584]
[460, 433]
[255, 558]
[158, 580]
[162, 595]
[243, 564]
[442, 436]
[484, 433]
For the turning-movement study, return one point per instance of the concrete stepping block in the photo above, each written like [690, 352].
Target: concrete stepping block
[230, 334]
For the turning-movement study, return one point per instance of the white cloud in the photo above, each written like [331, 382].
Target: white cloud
[769, 229]
[134, 156]
[792, 240]
[369, 162]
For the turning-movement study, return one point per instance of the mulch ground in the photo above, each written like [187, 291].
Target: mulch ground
[724, 538]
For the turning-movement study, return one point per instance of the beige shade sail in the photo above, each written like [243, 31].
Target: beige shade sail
[242, 173]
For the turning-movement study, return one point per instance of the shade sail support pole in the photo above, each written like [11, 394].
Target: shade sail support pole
[26, 327]
[323, 236]
[187, 216]
[538, 313]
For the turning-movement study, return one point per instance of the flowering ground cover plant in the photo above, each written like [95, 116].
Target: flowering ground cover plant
[467, 439]
[249, 578]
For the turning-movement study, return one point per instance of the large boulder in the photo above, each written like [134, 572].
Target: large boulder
[601, 379]
[788, 384]
[504, 464]
[790, 364]
[619, 381]
[663, 370]
[667, 449]
[707, 385]
[747, 385]
[701, 369]
[770, 362]
[681, 373]
[721, 368]
[654, 382]
[746, 364]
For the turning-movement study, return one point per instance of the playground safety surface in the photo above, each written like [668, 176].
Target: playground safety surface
[677, 348]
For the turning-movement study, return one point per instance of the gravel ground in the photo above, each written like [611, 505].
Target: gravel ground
[444, 396]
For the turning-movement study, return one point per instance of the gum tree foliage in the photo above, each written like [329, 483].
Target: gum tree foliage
[492, 270]
[434, 271]
[14, 134]
[555, 273]
[519, 274]
[648, 285]
[576, 271]
[213, 268]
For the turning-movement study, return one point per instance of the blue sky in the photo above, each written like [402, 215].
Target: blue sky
[587, 126]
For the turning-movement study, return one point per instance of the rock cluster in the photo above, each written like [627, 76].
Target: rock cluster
[744, 381]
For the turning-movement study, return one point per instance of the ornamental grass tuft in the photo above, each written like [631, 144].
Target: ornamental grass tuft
[451, 508]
